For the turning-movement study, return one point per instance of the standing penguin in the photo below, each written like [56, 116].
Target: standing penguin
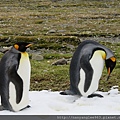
[86, 68]
[15, 70]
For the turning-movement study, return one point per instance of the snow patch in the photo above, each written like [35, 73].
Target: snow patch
[46, 102]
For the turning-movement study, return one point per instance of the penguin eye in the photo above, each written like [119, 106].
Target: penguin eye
[16, 46]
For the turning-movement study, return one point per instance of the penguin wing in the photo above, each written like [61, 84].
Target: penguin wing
[80, 60]
[86, 66]
[17, 81]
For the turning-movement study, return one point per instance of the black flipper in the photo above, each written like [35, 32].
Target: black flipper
[17, 81]
[86, 66]
[95, 95]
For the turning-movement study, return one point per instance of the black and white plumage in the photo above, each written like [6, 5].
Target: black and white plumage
[15, 71]
[86, 68]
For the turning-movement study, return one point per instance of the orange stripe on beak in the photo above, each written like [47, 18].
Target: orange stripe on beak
[109, 71]
[28, 45]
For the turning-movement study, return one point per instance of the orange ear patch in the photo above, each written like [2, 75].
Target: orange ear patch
[113, 59]
[16, 46]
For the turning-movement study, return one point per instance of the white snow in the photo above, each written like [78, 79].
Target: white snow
[46, 102]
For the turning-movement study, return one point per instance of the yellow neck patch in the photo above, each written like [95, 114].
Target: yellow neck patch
[25, 54]
[102, 53]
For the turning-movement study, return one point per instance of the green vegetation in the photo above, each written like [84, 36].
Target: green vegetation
[46, 76]
[55, 26]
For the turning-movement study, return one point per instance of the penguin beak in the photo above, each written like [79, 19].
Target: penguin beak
[110, 66]
[28, 45]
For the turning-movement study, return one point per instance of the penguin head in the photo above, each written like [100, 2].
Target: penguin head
[110, 64]
[21, 46]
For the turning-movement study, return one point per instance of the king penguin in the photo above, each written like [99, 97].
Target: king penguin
[15, 71]
[86, 68]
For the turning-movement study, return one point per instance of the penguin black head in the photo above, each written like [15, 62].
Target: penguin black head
[21, 46]
[110, 64]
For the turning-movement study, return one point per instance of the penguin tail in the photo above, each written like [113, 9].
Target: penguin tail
[1, 108]
[94, 95]
[4, 108]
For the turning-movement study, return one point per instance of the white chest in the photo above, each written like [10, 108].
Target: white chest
[24, 68]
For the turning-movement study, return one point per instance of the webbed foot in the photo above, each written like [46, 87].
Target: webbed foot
[95, 95]
[67, 92]
[25, 107]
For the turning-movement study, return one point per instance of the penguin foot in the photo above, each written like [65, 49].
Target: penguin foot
[28, 106]
[63, 93]
[25, 107]
[67, 92]
[95, 95]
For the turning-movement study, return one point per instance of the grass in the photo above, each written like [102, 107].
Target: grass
[46, 76]
[72, 21]
[33, 18]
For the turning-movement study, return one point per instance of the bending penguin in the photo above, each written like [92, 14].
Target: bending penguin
[15, 70]
[86, 68]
